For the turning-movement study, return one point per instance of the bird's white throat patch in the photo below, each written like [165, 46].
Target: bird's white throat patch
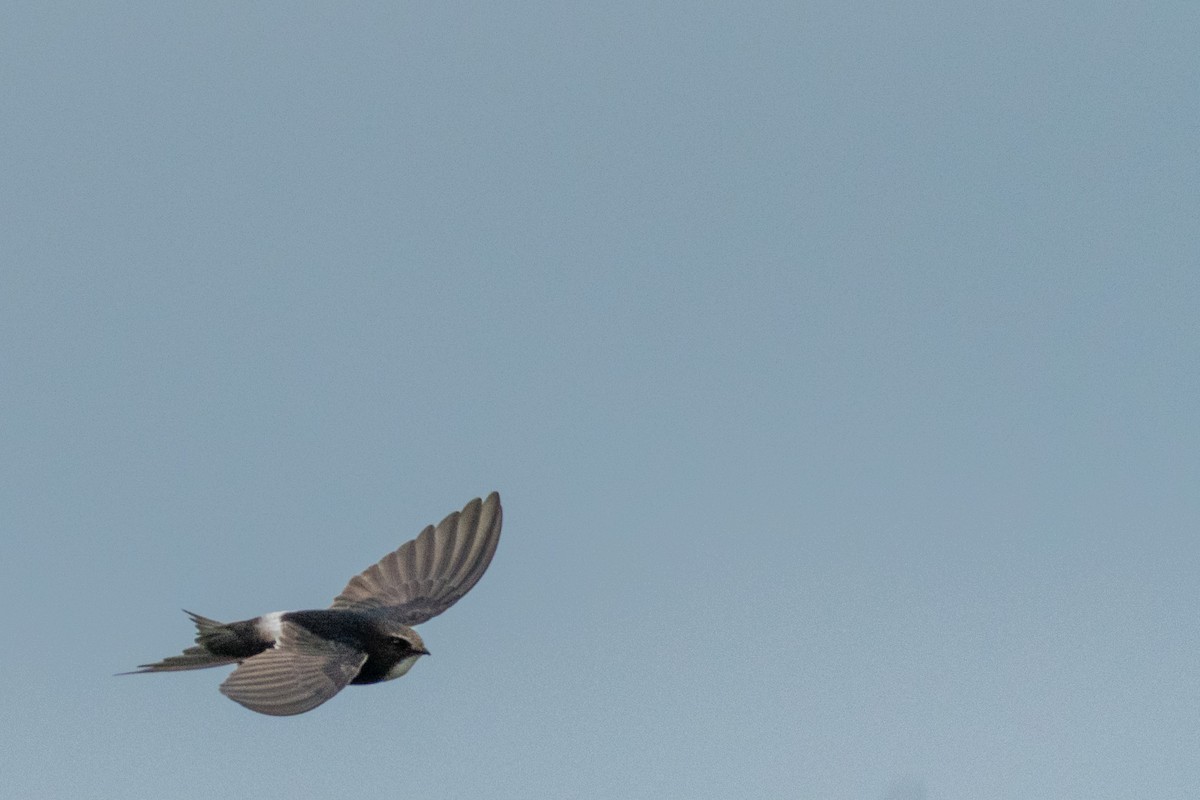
[402, 667]
[271, 625]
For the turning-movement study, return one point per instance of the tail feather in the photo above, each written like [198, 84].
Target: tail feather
[191, 658]
[207, 630]
[198, 657]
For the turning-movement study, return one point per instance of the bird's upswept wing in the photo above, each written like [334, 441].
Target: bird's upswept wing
[432, 572]
[302, 671]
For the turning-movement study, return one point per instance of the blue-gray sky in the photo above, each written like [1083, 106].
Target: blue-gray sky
[838, 364]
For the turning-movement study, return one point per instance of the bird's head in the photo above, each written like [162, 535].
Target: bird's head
[405, 646]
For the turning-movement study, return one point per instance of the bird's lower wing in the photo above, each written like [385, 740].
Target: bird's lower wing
[297, 675]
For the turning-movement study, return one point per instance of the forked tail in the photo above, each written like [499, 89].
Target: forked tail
[208, 631]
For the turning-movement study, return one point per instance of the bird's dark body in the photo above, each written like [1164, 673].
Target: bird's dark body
[360, 631]
[355, 629]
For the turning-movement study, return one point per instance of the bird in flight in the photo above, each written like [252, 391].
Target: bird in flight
[290, 662]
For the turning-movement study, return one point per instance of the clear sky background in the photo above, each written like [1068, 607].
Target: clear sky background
[838, 364]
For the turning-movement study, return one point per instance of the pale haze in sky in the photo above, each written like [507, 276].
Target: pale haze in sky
[838, 365]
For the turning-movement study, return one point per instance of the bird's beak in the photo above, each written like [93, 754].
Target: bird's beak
[423, 652]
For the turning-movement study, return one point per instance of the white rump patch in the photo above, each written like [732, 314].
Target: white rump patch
[271, 626]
